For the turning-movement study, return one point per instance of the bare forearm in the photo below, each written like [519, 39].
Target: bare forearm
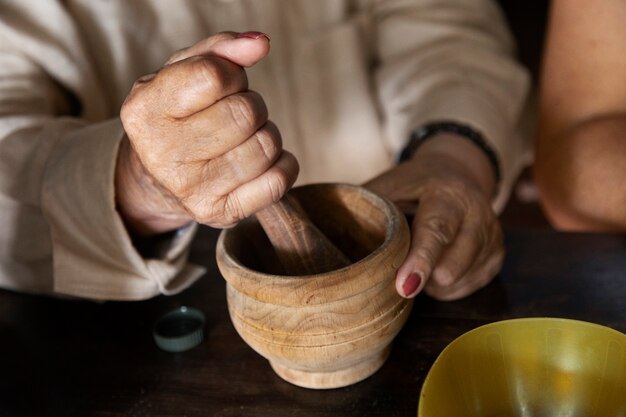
[581, 144]
[581, 174]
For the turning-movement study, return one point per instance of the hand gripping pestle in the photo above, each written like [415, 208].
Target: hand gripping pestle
[300, 246]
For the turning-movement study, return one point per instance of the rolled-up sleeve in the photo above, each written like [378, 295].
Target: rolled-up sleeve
[93, 254]
[453, 60]
[61, 232]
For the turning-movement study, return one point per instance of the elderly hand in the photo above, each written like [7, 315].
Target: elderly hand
[456, 244]
[200, 145]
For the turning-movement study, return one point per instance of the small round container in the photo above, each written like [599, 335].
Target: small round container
[529, 367]
[179, 330]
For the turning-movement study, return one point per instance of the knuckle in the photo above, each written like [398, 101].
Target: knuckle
[126, 112]
[244, 110]
[426, 254]
[445, 276]
[133, 116]
[136, 111]
[215, 170]
[214, 212]
[219, 76]
[231, 211]
[435, 235]
[269, 144]
[130, 108]
[277, 184]
[211, 72]
[440, 229]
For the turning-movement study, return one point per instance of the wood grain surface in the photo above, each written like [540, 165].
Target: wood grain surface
[301, 248]
[330, 329]
[76, 358]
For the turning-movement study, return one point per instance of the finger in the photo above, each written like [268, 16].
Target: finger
[206, 135]
[459, 257]
[197, 77]
[392, 184]
[244, 49]
[269, 187]
[192, 85]
[222, 127]
[250, 197]
[475, 279]
[245, 162]
[436, 224]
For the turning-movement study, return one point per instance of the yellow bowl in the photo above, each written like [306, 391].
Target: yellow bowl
[529, 367]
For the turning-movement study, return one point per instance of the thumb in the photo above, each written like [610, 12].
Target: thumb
[244, 49]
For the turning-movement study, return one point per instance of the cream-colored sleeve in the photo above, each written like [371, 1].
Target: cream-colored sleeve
[453, 60]
[92, 252]
[60, 231]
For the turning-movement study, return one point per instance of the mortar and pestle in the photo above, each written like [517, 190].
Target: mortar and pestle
[310, 283]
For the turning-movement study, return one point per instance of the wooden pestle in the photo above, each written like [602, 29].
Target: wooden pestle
[300, 246]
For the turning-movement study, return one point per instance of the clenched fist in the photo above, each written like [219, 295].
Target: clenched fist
[199, 144]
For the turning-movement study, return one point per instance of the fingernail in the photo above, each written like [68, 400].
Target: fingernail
[253, 35]
[411, 284]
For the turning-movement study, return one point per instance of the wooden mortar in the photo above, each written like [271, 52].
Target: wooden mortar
[301, 248]
[324, 330]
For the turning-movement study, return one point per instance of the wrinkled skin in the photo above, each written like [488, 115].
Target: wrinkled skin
[456, 238]
[200, 147]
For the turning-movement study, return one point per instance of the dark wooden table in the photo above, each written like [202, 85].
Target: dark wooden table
[77, 358]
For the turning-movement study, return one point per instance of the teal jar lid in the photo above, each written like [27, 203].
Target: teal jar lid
[179, 330]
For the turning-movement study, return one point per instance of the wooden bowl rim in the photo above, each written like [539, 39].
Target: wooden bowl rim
[397, 233]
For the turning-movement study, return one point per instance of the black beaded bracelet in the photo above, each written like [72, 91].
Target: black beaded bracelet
[419, 136]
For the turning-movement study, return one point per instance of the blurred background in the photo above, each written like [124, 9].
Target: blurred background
[527, 20]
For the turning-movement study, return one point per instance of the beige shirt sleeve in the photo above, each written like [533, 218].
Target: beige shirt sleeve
[60, 231]
[93, 255]
[66, 66]
[445, 60]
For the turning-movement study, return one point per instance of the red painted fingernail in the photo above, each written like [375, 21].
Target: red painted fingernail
[411, 283]
[253, 35]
